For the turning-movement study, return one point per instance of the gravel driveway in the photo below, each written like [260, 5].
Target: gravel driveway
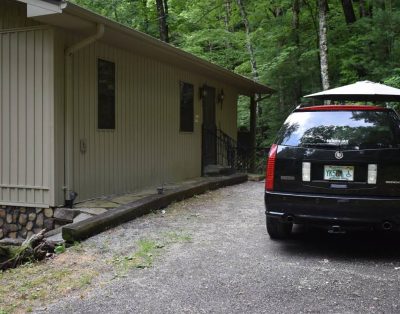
[216, 257]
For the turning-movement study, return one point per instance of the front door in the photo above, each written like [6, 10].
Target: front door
[209, 127]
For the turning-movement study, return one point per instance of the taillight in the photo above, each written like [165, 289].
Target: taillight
[269, 180]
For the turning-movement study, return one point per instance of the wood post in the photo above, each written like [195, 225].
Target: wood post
[253, 123]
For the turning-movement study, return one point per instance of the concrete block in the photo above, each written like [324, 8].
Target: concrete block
[65, 214]
[82, 217]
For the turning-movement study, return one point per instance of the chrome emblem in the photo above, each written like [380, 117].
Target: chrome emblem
[338, 155]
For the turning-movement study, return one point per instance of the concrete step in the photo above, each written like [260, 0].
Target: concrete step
[217, 170]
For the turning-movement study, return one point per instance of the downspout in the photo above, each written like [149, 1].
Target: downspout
[70, 195]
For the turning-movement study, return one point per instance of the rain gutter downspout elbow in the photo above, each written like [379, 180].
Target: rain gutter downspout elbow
[69, 112]
[85, 42]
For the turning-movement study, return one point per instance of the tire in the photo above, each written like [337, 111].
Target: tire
[278, 229]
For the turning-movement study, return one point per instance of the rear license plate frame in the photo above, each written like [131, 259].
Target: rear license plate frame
[338, 173]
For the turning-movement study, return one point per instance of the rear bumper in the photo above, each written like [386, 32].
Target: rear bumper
[333, 209]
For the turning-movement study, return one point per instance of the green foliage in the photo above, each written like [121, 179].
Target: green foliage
[147, 250]
[141, 258]
[287, 58]
[59, 249]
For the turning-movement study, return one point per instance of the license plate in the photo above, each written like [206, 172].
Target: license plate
[339, 173]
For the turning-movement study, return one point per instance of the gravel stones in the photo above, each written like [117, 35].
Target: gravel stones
[231, 266]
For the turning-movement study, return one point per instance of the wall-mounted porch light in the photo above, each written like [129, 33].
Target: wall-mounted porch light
[203, 91]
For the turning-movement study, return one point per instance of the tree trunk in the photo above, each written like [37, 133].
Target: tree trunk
[380, 4]
[364, 10]
[146, 21]
[253, 131]
[162, 11]
[296, 38]
[315, 25]
[250, 49]
[296, 21]
[228, 28]
[348, 11]
[323, 43]
[228, 13]
[249, 45]
[276, 11]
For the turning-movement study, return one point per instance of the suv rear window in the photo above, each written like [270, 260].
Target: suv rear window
[356, 129]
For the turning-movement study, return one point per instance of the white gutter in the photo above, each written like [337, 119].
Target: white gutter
[69, 111]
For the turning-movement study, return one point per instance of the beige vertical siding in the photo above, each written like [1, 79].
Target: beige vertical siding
[13, 15]
[26, 95]
[226, 113]
[59, 154]
[146, 149]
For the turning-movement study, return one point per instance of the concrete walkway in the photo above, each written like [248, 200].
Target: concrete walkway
[94, 216]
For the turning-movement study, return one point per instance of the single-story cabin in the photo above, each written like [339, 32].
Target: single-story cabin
[90, 107]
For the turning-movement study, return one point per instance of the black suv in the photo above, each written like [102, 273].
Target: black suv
[334, 166]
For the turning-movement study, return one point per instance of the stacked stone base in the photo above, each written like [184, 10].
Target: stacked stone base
[22, 222]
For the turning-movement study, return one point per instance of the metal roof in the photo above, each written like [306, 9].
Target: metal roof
[79, 20]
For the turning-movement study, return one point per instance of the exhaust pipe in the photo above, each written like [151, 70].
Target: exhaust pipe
[387, 225]
[289, 218]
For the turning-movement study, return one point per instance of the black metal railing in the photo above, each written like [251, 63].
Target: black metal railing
[221, 149]
[218, 148]
[252, 160]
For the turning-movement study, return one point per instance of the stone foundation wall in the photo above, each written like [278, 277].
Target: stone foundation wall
[22, 222]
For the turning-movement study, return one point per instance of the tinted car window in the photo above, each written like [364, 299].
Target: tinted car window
[344, 129]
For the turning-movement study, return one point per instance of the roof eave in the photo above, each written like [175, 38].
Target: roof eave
[166, 52]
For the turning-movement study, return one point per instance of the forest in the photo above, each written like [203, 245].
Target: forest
[295, 47]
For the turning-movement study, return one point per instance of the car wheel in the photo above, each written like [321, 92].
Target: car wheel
[278, 229]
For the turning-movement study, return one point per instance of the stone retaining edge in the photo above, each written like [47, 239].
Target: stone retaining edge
[97, 224]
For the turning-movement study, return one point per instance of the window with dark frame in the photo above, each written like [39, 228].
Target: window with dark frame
[106, 94]
[186, 106]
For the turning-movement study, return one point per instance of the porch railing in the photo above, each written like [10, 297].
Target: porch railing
[221, 149]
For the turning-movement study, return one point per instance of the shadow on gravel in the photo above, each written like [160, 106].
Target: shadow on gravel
[365, 245]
